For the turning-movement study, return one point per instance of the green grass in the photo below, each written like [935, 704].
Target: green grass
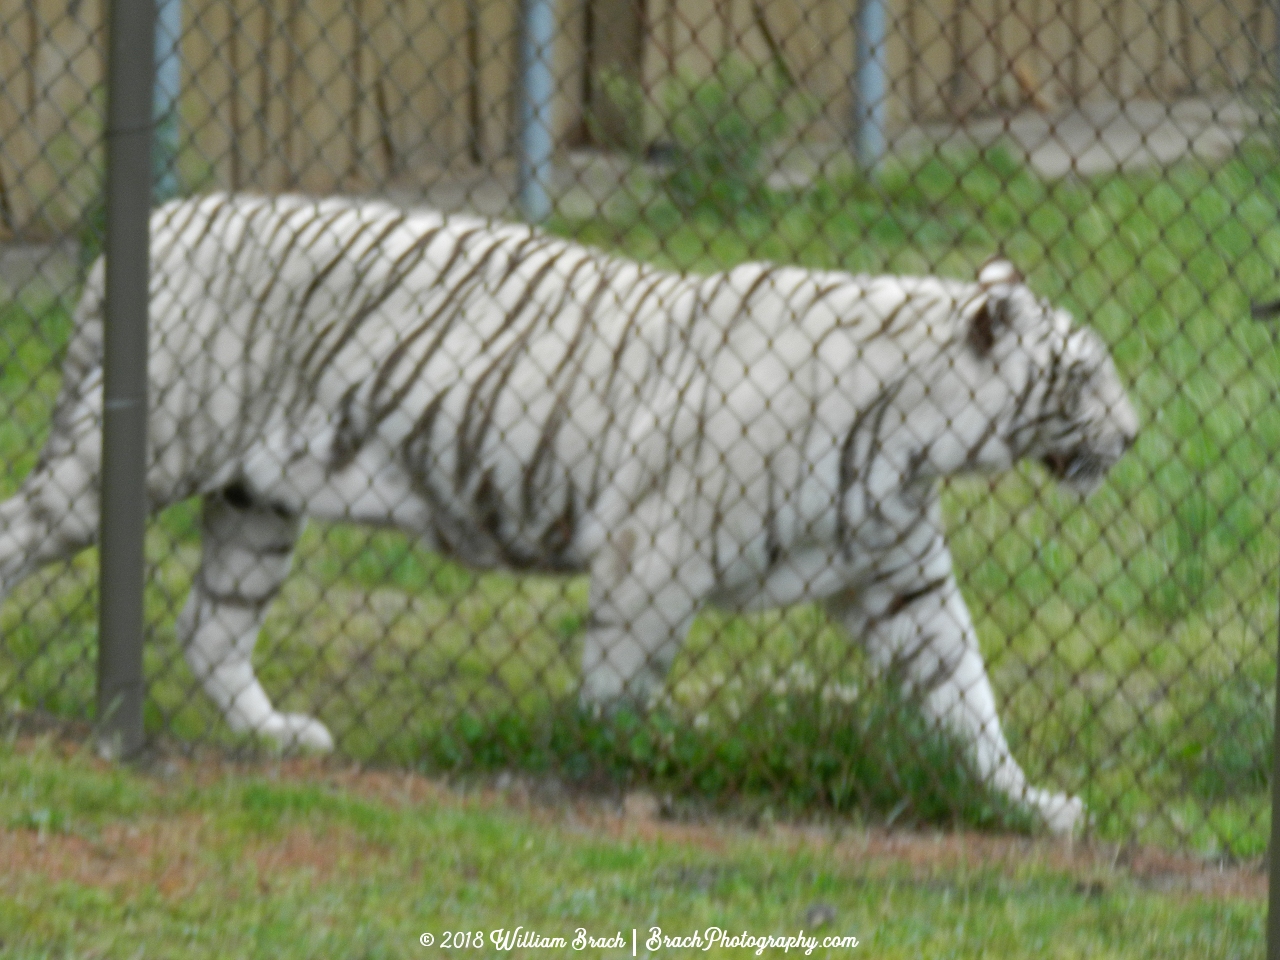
[1129, 635]
[206, 862]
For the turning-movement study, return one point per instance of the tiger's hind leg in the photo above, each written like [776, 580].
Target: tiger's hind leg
[54, 514]
[247, 549]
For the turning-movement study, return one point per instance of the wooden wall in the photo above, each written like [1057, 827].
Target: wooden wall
[51, 108]
[951, 58]
[329, 95]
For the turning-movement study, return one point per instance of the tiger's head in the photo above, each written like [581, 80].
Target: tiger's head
[1044, 388]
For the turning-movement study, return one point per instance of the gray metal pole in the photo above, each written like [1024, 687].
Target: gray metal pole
[1269, 311]
[537, 86]
[871, 86]
[168, 86]
[1275, 51]
[1273, 853]
[130, 74]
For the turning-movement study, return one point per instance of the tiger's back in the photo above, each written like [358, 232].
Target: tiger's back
[350, 360]
[486, 385]
[299, 345]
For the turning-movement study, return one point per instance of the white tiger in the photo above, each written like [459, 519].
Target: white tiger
[757, 437]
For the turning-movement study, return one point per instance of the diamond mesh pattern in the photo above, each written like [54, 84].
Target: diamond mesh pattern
[1121, 156]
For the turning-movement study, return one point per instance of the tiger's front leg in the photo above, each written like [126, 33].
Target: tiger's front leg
[917, 628]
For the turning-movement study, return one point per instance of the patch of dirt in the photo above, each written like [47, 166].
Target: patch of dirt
[1094, 865]
[172, 851]
[927, 853]
[173, 855]
[163, 853]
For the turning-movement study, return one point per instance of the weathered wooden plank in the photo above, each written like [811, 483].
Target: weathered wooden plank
[323, 87]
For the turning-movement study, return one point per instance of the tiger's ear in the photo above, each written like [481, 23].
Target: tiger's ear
[987, 321]
[995, 277]
[997, 271]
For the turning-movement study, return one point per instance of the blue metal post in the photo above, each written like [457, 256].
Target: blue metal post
[871, 85]
[168, 85]
[1275, 37]
[537, 86]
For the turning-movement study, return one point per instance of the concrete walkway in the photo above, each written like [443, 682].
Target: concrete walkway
[1096, 138]
[1083, 141]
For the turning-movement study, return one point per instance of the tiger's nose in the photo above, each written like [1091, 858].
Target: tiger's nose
[1126, 421]
[1122, 442]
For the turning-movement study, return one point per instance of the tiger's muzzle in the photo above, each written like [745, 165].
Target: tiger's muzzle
[1084, 467]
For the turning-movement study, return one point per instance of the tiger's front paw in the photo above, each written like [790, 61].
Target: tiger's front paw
[297, 731]
[1062, 813]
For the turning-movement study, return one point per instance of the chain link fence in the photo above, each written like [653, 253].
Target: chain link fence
[1119, 156]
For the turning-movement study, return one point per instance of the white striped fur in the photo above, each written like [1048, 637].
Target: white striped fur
[752, 438]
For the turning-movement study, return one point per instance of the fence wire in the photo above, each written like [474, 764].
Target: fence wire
[749, 534]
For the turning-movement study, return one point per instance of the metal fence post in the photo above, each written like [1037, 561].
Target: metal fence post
[1267, 311]
[1273, 860]
[870, 83]
[1273, 874]
[537, 86]
[168, 86]
[131, 68]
